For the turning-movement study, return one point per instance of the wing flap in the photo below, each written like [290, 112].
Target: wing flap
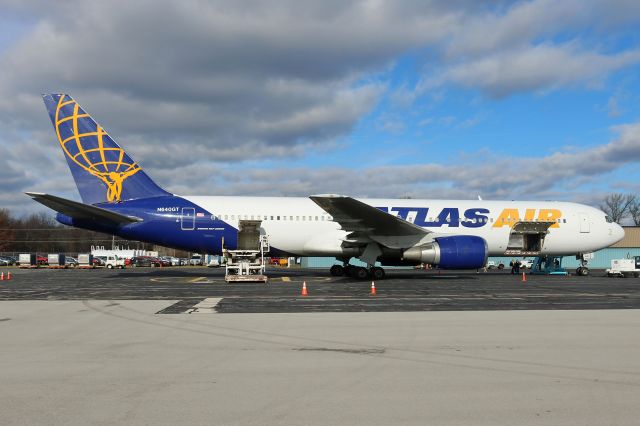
[78, 210]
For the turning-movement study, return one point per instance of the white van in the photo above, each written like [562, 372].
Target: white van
[112, 261]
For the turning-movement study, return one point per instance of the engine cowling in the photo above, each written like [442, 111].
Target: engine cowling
[455, 252]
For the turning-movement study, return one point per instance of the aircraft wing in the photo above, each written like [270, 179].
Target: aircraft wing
[78, 210]
[356, 216]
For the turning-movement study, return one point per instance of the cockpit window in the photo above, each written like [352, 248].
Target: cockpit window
[608, 219]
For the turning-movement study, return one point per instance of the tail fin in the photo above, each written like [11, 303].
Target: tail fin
[102, 170]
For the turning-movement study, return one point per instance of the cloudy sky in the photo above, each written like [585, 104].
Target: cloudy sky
[444, 98]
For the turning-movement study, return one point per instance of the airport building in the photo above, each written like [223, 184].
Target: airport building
[626, 248]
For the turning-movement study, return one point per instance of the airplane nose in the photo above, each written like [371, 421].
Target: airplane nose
[617, 234]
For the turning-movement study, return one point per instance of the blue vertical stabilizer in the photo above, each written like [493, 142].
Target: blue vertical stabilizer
[101, 169]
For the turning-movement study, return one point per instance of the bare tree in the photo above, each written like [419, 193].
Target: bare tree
[6, 232]
[634, 212]
[617, 206]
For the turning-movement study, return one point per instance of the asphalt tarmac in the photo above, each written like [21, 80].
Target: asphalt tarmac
[180, 346]
[401, 291]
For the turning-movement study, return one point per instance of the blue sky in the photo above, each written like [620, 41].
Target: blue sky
[434, 99]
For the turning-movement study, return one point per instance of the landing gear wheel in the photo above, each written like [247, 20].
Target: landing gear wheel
[582, 271]
[349, 270]
[377, 273]
[361, 273]
[336, 271]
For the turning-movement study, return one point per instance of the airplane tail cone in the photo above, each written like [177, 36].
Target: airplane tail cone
[524, 277]
[304, 289]
[373, 288]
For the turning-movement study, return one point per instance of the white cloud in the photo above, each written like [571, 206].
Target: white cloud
[537, 68]
[189, 86]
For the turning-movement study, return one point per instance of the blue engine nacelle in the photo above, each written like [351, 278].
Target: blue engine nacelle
[455, 252]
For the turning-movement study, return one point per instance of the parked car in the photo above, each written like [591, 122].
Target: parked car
[492, 264]
[196, 260]
[164, 261]
[8, 261]
[41, 260]
[71, 261]
[98, 261]
[146, 261]
[167, 261]
[140, 261]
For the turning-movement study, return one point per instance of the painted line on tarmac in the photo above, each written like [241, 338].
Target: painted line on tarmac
[212, 280]
[207, 306]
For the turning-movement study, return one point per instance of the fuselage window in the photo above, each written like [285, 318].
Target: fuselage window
[271, 217]
[297, 217]
[290, 217]
[608, 219]
[316, 218]
[278, 218]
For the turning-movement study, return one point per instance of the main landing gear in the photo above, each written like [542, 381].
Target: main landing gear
[361, 273]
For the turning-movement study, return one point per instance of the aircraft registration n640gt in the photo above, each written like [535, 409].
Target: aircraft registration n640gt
[119, 198]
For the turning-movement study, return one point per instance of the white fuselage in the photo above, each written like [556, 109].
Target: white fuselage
[301, 227]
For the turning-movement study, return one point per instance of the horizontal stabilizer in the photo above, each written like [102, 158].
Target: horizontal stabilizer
[78, 210]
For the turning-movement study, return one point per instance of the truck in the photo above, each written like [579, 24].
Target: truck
[624, 267]
[112, 261]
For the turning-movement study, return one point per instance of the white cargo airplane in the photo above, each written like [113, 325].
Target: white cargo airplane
[119, 198]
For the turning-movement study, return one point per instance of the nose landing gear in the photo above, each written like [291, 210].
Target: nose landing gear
[582, 270]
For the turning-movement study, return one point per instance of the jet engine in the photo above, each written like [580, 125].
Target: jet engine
[455, 252]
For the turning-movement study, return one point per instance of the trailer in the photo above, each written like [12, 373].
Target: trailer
[85, 261]
[624, 268]
[27, 260]
[57, 261]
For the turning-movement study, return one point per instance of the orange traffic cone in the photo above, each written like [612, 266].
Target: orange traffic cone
[304, 289]
[8, 275]
[524, 277]
[373, 288]
[2, 276]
